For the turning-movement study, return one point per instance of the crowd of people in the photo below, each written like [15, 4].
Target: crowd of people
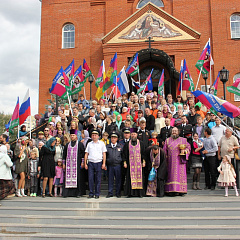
[144, 143]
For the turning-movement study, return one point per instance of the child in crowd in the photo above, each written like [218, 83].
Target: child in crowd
[153, 140]
[58, 179]
[33, 174]
[227, 175]
[105, 138]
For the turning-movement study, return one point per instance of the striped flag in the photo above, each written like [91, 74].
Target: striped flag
[100, 75]
[86, 70]
[25, 109]
[15, 117]
[133, 67]
[144, 86]
[205, 61]
[161, 84]
[213, 88]
[187, 82]
[58, 85]
[235, 88]
[78, 82]
[216, 104]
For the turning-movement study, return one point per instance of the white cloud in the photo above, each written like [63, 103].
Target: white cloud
[9, 94]
[19, 52]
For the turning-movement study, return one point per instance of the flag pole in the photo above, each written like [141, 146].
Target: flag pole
[69, 101]
[198, 78]
[18, 132]
[110, 93]
[84, 93]
[210, 74]
[30, 135]
[116, 91]
[181, 77]
[30, 119]
[210, 63]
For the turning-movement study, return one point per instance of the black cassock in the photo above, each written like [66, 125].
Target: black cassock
[81, 173]
[128, 188]
[161, 170]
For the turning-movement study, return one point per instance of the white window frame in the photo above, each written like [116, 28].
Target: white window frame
[236, 21]
[147, 1]
[236, 97]
[71, 44]
[203, 88]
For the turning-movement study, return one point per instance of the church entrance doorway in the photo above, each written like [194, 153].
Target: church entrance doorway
[159, 60]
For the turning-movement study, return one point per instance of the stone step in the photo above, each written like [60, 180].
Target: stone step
[134, 212]
[47, 236]
[122, 203]
[120, 220]
[122, 230]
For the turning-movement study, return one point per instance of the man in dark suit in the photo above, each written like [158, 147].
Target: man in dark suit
[122, 142]
[185, 130]
[150, 120]
[165, 132]
[144, 134]
[126, 136]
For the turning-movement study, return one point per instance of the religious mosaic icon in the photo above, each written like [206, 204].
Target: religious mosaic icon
[150, 26]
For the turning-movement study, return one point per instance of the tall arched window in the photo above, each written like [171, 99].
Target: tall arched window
[68, 36]
[235, 25]
[236, 97]
[142, 3]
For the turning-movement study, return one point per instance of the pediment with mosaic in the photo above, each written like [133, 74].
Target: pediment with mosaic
[150, 26]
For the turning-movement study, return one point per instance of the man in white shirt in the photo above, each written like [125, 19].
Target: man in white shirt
[95, 153]
[218, 130]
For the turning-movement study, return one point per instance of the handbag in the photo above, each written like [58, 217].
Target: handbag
[152, 175]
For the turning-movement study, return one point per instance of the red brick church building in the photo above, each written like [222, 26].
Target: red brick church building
[96, 29]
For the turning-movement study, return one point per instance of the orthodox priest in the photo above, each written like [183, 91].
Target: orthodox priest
[176, 183]
[74, 183]
[133, 159]
[155, 157]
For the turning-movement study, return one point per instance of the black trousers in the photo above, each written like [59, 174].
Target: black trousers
[210, 170]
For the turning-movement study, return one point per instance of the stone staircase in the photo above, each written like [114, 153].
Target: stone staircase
[201, 214]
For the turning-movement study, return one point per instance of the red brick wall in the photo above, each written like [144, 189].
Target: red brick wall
[95, 18]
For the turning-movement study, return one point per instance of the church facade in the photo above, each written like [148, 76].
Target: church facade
[163, 32]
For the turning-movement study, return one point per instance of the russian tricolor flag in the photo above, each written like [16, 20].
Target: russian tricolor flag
[122, 84]
[149, 86]
[25, 109]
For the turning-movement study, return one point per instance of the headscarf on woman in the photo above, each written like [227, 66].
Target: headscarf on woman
[49, 143]
[86, 137]
[118, 123]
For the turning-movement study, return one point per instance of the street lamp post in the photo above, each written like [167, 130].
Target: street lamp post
[224, 75]
[205, 77]
[90, 79]
[75, 97]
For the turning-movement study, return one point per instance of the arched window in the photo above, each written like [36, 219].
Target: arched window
[235, 25]
[236, 97]
[142, 3]
[68, 36]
